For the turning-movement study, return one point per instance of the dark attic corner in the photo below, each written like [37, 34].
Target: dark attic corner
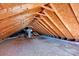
[39, 29]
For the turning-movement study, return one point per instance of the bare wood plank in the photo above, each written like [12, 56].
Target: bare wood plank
[48, 32]
[9, 5]
[38, 29]
[48, 28]
[45, 7]
[20, 10]
[75, 7]
[52, 26]
[56, 21]
[44, 26]
[14, 27]
[66, 15]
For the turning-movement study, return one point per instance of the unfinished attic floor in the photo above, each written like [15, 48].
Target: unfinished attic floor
[38, 47]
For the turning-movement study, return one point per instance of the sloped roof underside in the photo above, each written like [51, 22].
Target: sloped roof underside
[53, 18]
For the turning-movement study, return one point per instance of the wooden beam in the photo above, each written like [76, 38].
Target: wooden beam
[51, 26]
[18, 11]
[57, 22]
[46, 26]
[40, 27]
[66, 15]
[45, 7]
[13, 25]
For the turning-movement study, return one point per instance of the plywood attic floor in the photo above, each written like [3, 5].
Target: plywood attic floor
[38, 47]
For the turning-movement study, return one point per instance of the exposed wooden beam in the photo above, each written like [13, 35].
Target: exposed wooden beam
[20, 11]
[13, 25]
[57, 22]
[66, 15]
